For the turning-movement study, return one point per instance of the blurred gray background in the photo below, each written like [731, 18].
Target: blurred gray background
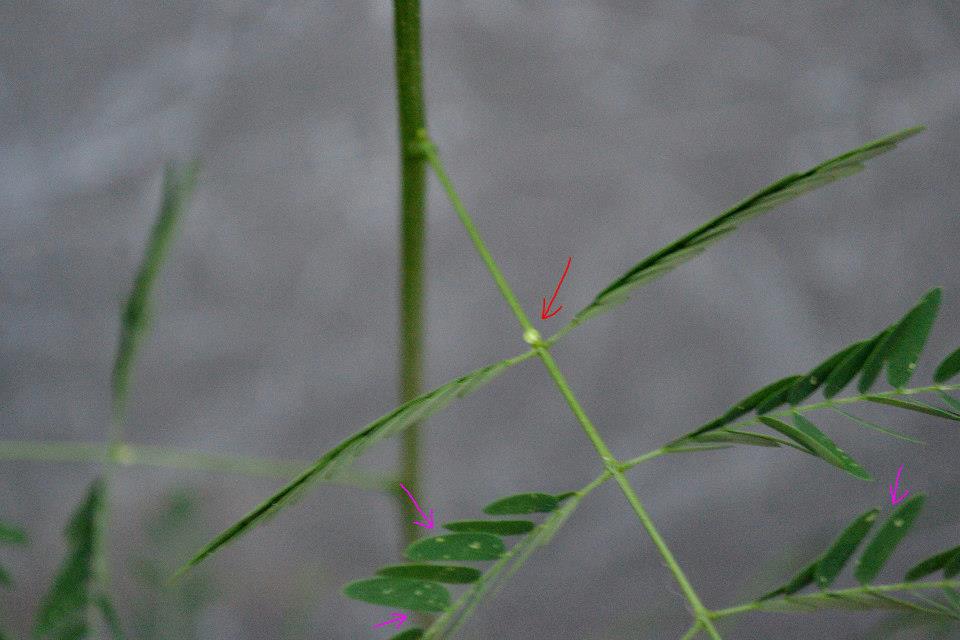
[597, 130]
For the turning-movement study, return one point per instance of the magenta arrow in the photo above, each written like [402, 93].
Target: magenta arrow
[397, 621]
[896, 485]
[428, 517]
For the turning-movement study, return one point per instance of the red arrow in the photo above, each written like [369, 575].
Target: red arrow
[545, 312]
[893, 489]
[397, 621]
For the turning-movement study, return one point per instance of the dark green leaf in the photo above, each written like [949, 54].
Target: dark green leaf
[347, 451]
[496, 527]
[808, 384]
[807, 435]
[876, 427]
[849, 367]
[733, 436]
[402, 593]
[802, 578]
[873, 365]
[457, 546]
[409, 634]
[748, 404]
[64, 611]
[522, 503]
[451, 574]
[776, 398]
[833, 561]
[695, 242]
[909, 338]
[888, 537]
[931, 564]
[914, 405]
[5, 580]
[948, 368]
[12, 535]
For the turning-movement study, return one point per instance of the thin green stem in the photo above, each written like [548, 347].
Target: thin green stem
[692, 631]
[837, 402]
[411, 115]
[853, 591]
[430, 151]
[611, 464]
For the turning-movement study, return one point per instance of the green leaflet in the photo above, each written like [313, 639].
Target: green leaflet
[931, 564]
[5, 580]
[776, 398]
[496, 527]
[344, 453]
[808, 384]
[695, 242]
[748, 404]
[64, 611]
[451, 619]
[869, 425]
[850, 366]
[952, 567]
[733, 436]
[10, 534]
[887, 538]
[178, 186]
[948, 368]
[908, 339]
[833, 561]
[450, 574]
[522, 503]
[873, 365]
[409, 634]
[403, 593]
[914, 405]
[802, 578]
[457, 546]
[807, 435]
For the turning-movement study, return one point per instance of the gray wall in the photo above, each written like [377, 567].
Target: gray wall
[598, 130]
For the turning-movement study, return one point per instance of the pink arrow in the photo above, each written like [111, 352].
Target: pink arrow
[397, 621]
[893, 489]
[427, 517]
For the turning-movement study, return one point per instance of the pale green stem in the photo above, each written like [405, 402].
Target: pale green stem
[836, 402]
[853, 591]
[692, 631]
[411, 117]
[611, 464]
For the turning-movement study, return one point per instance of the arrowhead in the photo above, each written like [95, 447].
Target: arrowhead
[545, 313]
[398, 620]
[429, 523]
[893, 495]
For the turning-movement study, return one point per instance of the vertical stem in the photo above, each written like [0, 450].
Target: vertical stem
[413, 191]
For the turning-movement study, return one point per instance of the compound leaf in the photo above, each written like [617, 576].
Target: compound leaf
[344, 453]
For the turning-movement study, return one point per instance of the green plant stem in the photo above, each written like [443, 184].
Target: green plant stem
[692, 631]
[611, 464]
[129, 455]
[411, 115]
[853, 591]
